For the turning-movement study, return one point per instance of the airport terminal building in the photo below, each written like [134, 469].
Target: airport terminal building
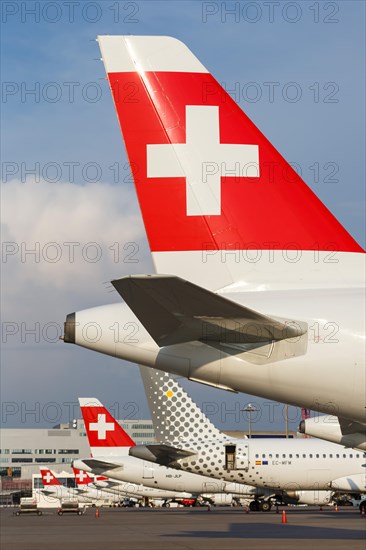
[24, 450]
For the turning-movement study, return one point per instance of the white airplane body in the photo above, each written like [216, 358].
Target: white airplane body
[53, 487]
[131, 490]
[206, 451]
[259, 288]
[296, 464]
[110, 445]
[116, 488]
[104, 489]
[85, 483]
[310, 464]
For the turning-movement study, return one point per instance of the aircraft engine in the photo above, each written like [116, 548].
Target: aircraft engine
[308, 497]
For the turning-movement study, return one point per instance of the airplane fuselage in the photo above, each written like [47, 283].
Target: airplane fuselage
[323, 370]
[292, 464]
[144, 478]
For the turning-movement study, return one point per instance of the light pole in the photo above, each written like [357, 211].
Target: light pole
[250, 408]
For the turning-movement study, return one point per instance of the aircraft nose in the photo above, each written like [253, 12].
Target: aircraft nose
[69, 329]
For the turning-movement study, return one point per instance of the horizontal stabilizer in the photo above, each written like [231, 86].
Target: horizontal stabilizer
[161, 454]
[175, 311]
[99, 466]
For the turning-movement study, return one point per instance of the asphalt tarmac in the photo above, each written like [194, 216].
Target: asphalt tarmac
[184, 529]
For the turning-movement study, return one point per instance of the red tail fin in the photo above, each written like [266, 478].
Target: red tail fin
[204, 173]
[207, 179]
[48, 478]
[82, 478]
[102, 429]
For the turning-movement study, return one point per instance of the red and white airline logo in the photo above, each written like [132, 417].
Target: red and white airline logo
[101, 427]
[82, 478]
[48, 478]
[203, 160]
[206, 177]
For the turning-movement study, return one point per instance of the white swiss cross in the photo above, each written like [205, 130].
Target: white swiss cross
[81, 476]
[48, 477]
[102, 427]
[203, 160]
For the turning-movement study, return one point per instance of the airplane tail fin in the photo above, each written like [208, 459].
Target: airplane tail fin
[82, 478]
[219, 203]
[48, 478]
[105, 435]
[174, 414]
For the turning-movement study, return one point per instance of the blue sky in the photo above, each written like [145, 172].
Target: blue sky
[67, 133]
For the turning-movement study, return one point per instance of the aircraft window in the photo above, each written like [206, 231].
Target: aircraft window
[263, 456]
[304, 455]
[310, 455]
[270, 455]
[284, 455]
[344, 456]
[290, 455]
[297, 455]
[357, 455]
[324, 456]
[277, 456]
[317, 456]
[257, 456]
[337, 455]
[330, 456]
[351, 455]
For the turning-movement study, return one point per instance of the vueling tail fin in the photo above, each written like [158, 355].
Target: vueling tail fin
[208, 181]
[174, 414]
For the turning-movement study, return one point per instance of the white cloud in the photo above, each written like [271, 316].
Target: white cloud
[101, 220]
